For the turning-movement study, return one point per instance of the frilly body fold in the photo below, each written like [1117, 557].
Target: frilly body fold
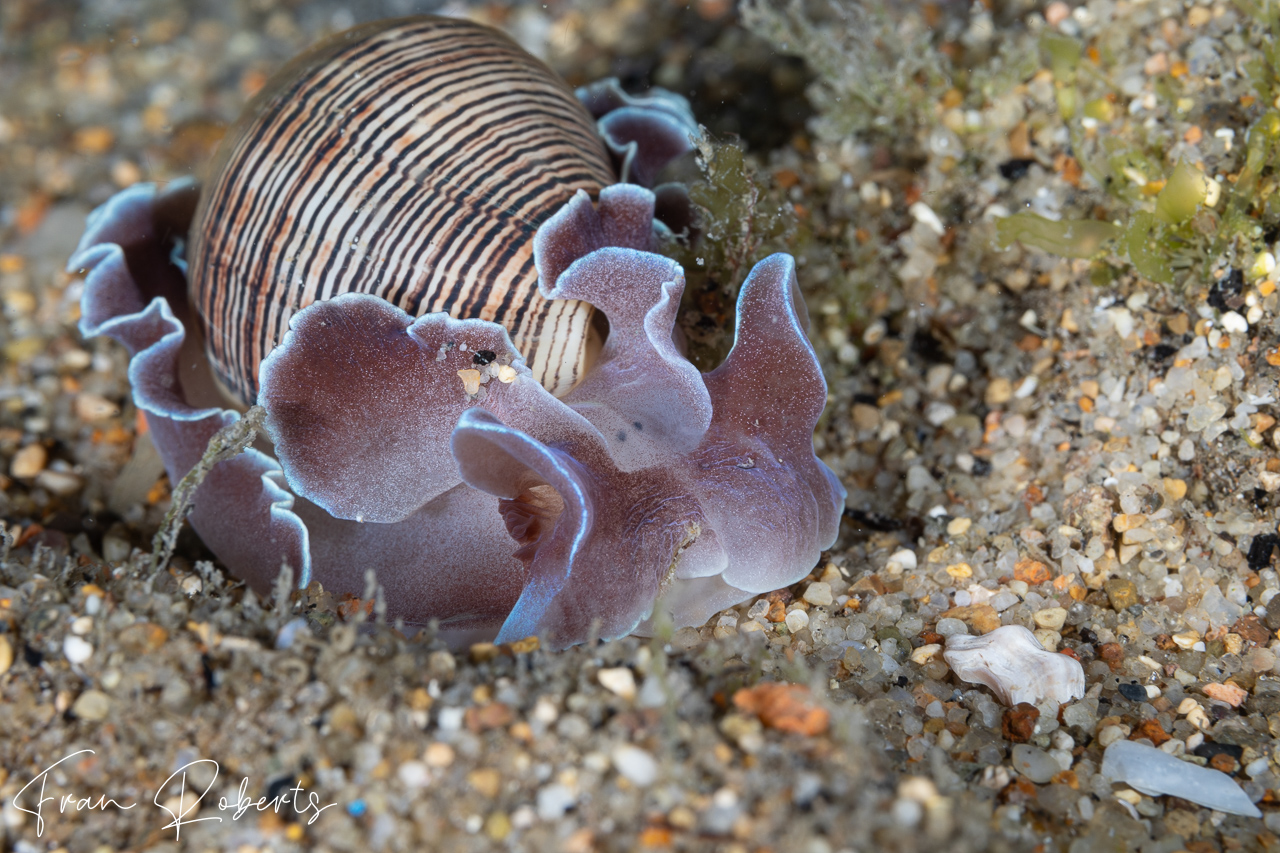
[424, 449]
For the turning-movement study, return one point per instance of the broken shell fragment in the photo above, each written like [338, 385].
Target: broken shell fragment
[1012, 663]
[1153, 772]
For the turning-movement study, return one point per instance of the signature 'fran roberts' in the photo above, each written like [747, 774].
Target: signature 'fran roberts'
[180, 807]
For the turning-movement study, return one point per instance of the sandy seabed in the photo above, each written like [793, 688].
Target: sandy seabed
[1028, 439]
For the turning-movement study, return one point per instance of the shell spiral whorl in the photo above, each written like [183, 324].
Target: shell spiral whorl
[410, 159]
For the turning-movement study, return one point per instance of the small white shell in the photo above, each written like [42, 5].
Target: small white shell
[1147, 769]
[1012, 663]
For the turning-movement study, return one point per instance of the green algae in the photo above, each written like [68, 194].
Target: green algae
[876, 71]
[741, 220]
[1172, 222]
[1071, 238]
[1182, 194]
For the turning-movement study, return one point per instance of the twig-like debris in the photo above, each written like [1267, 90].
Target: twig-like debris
[283, 601]
[227, 443]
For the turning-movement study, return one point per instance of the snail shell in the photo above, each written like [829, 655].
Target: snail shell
[410, 159]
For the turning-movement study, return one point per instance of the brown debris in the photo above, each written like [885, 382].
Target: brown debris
[1152, 731]
[482, 652]
[522, 647]
[1068, 778]
[95, 139]
[869, 584]
[1250, 627]
[1019, 722]
[786, 707]
[1090, 510]
[1122, 593]
[1227, 692]
[1070, 169]
[1224, 763]
[778, 601]
[1020, 790]
[495, 715]
[1031, 572]
[350, 605]
[143, 637]
[1112, 654]
[982, 618]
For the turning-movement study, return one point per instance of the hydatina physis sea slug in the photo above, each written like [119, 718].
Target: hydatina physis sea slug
[403, 254]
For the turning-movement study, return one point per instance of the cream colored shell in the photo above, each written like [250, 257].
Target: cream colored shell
[411, 159]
